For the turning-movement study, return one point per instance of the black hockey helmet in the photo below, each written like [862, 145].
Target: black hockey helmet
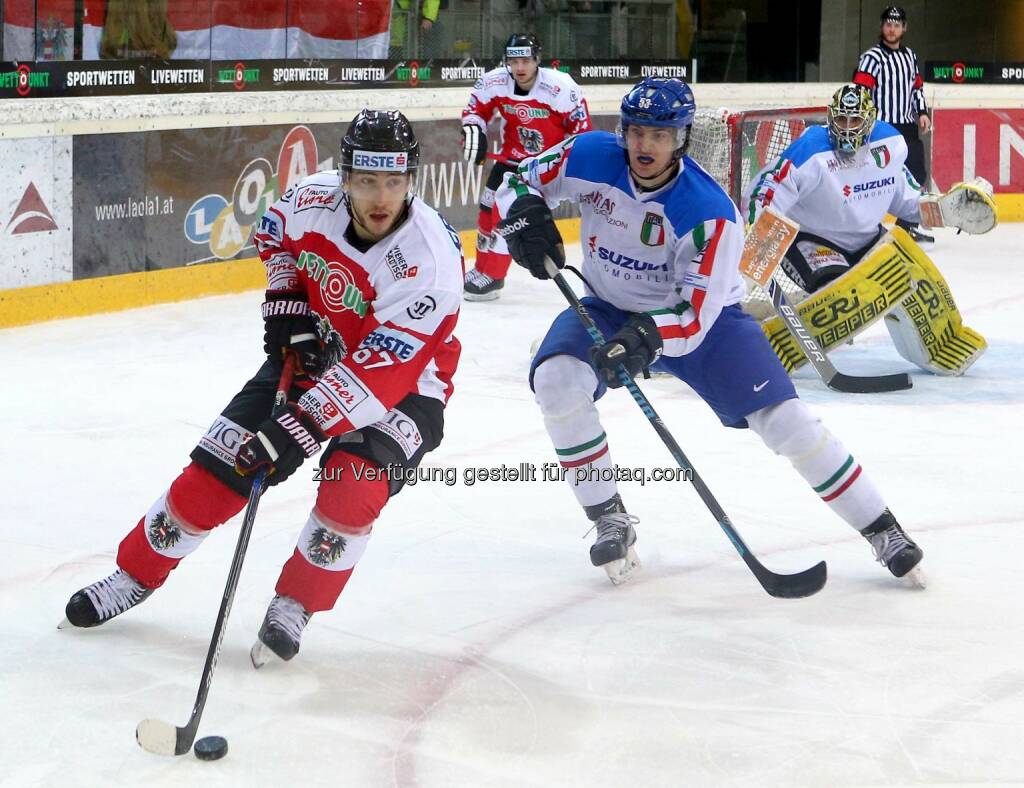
[893, 13]
[522, 45]
[380, 140]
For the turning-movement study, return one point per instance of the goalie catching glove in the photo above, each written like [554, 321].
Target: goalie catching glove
[474, 144]
[967, 206]
[636, 346]
[281, 444]
[532, 236]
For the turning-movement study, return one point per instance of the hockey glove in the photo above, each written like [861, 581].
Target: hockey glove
[967, 206]
[531, 235]
[289, 325]
[280, 445]
[636, 346]
[474, 144]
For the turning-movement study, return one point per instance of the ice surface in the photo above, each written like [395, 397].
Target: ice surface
[475, 645]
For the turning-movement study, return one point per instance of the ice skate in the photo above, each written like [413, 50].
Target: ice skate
[481, 287]
[894, 549]
[613, 549]
[98, 603]
[281, 631]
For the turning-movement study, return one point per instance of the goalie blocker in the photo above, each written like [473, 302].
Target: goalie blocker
[897, 281]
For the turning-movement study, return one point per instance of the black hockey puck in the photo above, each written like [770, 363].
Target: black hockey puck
[211, 748]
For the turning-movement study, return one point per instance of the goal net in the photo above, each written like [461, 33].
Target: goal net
[733, 147]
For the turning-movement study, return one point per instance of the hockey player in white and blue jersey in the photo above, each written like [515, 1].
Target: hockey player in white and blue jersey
[661, 244]
[838, 181]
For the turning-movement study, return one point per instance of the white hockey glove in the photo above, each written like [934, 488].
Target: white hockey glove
[474, 144]
[967, 206]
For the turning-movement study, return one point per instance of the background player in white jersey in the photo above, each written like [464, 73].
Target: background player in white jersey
[838, 182]
[537, 107]
[364, 284]
[661, 246]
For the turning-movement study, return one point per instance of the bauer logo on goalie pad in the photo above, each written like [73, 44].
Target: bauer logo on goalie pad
[766, 244]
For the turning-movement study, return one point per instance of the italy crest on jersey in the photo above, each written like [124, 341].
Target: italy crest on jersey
[882, 156]
[652, 233]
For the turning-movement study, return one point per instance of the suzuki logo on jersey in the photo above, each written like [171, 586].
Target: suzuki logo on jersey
[337, 287]
[404, 346]
[867, 186]
[371, 160]
[600, 204]
[627, 262]
[652, 232]
[882, 156]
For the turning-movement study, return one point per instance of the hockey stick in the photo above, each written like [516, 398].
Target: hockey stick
[765, 246]
[794, 586]
[161, 737]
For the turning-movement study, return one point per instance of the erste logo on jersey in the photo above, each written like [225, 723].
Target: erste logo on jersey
[375, 160]
[400, 344]
[337, 285]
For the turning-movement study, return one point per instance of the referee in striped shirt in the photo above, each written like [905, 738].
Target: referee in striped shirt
[889, 70]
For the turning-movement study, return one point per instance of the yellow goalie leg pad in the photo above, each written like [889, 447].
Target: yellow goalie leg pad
[842, 310]
[927, 328]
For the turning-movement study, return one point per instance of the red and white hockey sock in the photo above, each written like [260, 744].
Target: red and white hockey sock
[176, 525]
[485, 234]
[497, 260]
[335, 536]
[790, 429]
[565, 387]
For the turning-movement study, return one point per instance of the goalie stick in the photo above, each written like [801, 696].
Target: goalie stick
[766, 243]
[163, 738]
[794, 586]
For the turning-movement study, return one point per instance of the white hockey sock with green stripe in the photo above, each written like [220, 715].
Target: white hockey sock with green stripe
[790, 429]
[565, 392]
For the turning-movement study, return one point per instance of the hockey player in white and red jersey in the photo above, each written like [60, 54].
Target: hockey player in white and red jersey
[538, 107]
[661, 250]
[838, 182]
[364, 283]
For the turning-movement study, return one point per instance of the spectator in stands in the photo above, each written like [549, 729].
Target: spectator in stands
[401, 13]
[137, 29]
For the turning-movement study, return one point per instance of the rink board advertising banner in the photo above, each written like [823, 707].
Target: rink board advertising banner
[161, 199]
[985, 142]
[966, 72]
[35, 212]
[45, 79]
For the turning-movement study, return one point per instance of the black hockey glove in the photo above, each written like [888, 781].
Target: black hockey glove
[280, 445]
[474, 144]
[289, 325]
[636, 346]
[531, 235]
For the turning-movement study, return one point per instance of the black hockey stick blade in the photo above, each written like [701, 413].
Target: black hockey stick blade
[797, 586]
[870, 384]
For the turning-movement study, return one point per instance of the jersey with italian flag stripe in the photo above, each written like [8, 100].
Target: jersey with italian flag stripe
[673, 252]
[386, 313]
[553, 109]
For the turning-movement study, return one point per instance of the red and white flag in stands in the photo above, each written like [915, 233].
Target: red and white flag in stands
[218, 29]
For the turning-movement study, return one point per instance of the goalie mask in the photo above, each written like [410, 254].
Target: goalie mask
[850, 116]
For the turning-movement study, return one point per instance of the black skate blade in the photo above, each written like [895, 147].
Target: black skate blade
[162, 738]
[802, 584]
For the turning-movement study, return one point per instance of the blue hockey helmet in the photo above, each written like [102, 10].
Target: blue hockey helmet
[658, 101]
